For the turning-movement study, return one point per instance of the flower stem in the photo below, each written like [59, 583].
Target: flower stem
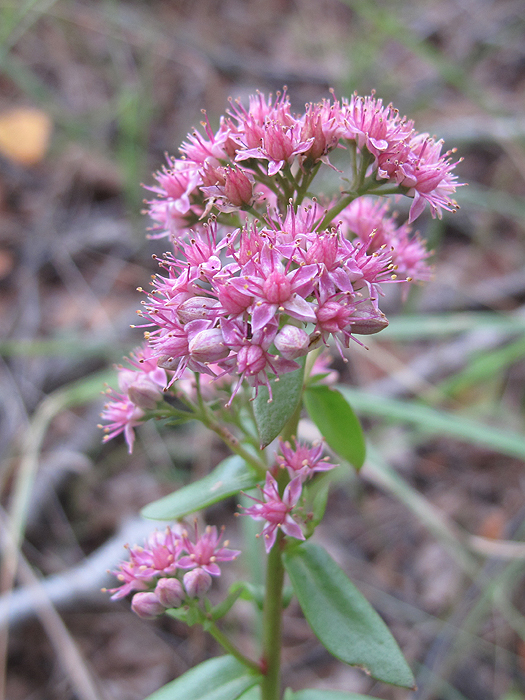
[272, 624]
[228, 646]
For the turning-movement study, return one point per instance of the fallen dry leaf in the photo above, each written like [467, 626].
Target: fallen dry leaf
[24, 135]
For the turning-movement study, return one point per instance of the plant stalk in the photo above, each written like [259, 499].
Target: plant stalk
[272, 624]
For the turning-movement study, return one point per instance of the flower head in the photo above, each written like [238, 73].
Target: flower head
[206, 551]
[158, 557]
[302, 461]
[276, 511]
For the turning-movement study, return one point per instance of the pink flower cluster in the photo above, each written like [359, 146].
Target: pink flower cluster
[254, 301]
[276, 510]
[155, 570]
[261, 275]
[141, 387]
[232, 168]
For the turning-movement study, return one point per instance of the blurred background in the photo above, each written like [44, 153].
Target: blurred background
[92, 94]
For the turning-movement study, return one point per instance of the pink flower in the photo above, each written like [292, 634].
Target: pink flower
[198, 149]
[122, 416]
[276, 511]
[206, 552]
[170, 592]
[368, 218]
[323, 125]
[230, 187]
[372, 125]
[302, 461]
[176, 204]
[279, 144]
[419, 165]
[140, 386]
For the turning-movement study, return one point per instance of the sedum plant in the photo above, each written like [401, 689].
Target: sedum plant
[262, 276]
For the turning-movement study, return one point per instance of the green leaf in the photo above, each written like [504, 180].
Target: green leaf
[189, 614]
[314, 694]
[271, 417]
[437, 422]
[249, 591]
[222, 678]
[338, 424]
[342, 618]
[252, 694]
[228, 478]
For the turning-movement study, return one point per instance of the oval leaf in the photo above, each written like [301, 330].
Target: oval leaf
[228, 478]
[338, 424]
[272, 416]
[342, 618]
[222, 678]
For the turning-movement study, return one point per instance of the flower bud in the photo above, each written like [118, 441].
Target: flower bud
[197, 308]
[211, 175]
[196, 582]
[238, 188]
[368, 324]
[292, 342]
[170, 592]
[144, 393]
[208, 346]
[147, 605]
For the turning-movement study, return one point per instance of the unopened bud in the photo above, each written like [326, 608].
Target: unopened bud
[208, 346]
[197, 308]
[238, 188]
[211, 175]
[196, 582]
[292, 342]
[368, 325]
[147, 605]
[170, 592]
[144, 393]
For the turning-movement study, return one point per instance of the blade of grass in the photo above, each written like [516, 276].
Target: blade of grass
[483, 367]
[436, 422]
[72, 395]
[481, 198]
[423, 326]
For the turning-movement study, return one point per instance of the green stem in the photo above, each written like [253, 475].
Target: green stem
[273, 598]
[306, 182]
[228, 646]
[202, 412]
[272, 624]
[337, 209]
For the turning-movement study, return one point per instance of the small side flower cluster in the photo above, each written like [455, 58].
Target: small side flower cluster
[156, 570]
[368, 219]
[141, 386]
[277, 510]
